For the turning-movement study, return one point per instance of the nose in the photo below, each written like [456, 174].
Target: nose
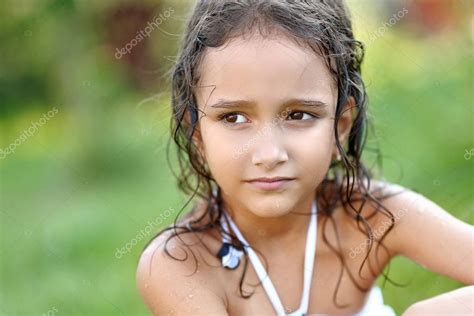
[269, 149]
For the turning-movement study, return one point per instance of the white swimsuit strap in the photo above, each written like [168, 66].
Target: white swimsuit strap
[262, 274]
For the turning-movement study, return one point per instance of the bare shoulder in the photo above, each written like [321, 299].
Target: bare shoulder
[429, 235]
[393, 202]
[377, 213]
[386, 198]
[177, 275]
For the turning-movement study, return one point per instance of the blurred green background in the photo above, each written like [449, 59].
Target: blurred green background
[84, 132]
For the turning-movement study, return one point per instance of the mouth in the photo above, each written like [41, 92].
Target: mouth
[269, 184]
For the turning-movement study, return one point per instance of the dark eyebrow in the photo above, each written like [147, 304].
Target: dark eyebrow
[248, 103]
[306, 102]
[225, 104]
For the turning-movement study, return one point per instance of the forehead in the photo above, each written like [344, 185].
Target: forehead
[264, 69]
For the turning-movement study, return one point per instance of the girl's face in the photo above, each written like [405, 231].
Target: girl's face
[269, 109]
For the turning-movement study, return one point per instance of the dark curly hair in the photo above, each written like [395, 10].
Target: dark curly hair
[325, 27]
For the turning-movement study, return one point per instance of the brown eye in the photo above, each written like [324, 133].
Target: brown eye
[232, 118]
[298, 115]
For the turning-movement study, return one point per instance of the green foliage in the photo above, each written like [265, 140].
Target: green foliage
[94, 175]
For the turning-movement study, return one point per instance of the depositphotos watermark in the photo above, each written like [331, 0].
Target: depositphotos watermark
[51, 311]
[468, 154]
[143, 233]
[144, 33]
[396, 17]
[378, 233]
[28, 133]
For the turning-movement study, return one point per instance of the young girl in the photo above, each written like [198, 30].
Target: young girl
[270, 120]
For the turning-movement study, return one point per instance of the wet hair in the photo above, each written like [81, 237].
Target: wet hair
[325, 27]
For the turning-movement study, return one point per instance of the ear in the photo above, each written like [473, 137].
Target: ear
[344, 124]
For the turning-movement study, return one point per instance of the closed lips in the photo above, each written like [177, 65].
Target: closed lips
[271, 179]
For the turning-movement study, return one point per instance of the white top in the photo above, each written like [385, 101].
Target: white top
[262, 274]
[374, 304]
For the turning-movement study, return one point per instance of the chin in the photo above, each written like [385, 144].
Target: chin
[269, 214]
[271, 206]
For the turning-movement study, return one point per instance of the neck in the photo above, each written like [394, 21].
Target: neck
[272, 232]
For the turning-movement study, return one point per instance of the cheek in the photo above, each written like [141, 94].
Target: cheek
[312, 150]
[220, 148]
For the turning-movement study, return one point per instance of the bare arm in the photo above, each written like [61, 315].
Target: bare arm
[169, 286]
[458, 302]
[430, 236]
[438, 241]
